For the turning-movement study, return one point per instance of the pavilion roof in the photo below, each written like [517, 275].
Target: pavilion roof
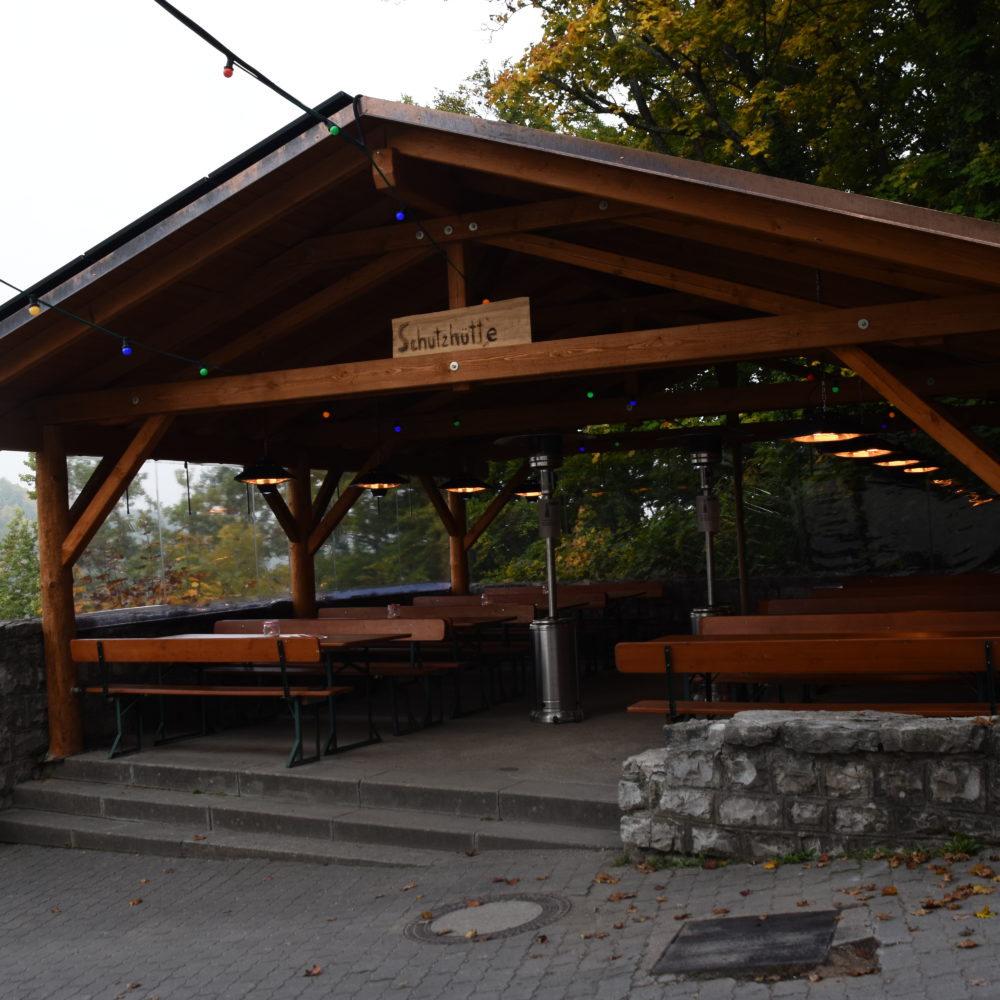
[282, 273]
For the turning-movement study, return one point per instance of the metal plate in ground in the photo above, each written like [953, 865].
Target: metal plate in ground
[488, 917]
[750, 944]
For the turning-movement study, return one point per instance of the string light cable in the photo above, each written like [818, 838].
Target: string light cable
[233, 61]
[128, 344]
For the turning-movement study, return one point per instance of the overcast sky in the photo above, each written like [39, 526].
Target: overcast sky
[110, 107]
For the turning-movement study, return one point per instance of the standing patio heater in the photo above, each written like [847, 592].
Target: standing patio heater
[553, 638]
[705, 452]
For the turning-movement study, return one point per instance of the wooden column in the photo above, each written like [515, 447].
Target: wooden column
[457, 552]
[303, 569]
[58, 613]
[458, 555]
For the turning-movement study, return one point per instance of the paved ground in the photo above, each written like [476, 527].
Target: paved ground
[90, 926]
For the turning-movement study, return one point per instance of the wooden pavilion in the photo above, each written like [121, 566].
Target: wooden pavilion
[280, 276]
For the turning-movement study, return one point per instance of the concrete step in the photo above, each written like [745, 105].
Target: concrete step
[314, 820]
[50, 829]
[483, 794]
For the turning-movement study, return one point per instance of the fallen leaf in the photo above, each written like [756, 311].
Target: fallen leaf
[330, 920]
[720, 910]
[541, 878]
[802, 902]
[814, 977]
[314, 971]
[745, 892]
[770, 865]
[681, 916]
[144, 881]
[471, 934]
[442, 933]
[603, 878]
[966, 943]
[883, 916]
[985, 912]
[639, 920]
[134, 902]
[762, 916]
[981, 890]
[659, 888]
[983, 871]
[408, 887]
[199, 836]
[538, 954]
[618, 926]
[427, 915]
[661, 899]
[473, 902]
[542, 938]
[55, 909]
[889, 890]
[617, 897]
[613, 958]
[645, 868]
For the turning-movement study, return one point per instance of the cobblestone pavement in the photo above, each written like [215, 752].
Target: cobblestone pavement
[78, 925]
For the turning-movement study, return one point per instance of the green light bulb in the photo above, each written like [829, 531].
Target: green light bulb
[202, 372]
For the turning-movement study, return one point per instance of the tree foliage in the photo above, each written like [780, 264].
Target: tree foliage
[896, 98]
[20, 592]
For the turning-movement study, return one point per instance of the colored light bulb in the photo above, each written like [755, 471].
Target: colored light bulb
[126, 349]
[400, 215]
[34, 308]
[334, 130]
[202, 371]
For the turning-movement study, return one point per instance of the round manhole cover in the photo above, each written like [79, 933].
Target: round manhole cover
[488, 917]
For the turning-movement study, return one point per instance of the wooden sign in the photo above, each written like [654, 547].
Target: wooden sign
[493, 324]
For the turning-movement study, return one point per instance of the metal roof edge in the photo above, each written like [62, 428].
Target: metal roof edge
[174, 204]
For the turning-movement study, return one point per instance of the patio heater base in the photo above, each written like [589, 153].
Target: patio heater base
[558, 682]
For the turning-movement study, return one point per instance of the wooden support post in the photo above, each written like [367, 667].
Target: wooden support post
[457, 552]
[458, 555]
[58, 613]
[303, 568]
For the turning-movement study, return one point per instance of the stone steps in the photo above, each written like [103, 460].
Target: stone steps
[393, 818]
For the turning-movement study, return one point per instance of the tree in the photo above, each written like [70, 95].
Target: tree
[782, 87]
[20, 589]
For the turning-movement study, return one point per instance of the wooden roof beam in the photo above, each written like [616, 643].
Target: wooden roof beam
[774, 213]
[617, 352]
[662, 275]
[932, 418]
[450, 228]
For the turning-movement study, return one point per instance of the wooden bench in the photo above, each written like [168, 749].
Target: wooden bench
[804, 658]
[199, 651]
[882, 602]
[851, 621]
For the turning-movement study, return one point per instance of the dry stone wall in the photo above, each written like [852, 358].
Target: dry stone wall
[24, 736]
[765, 784]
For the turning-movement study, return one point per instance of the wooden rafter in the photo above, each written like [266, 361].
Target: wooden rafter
[149, 281]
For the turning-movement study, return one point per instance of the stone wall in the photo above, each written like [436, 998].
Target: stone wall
[24, 736]
[766, 784]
